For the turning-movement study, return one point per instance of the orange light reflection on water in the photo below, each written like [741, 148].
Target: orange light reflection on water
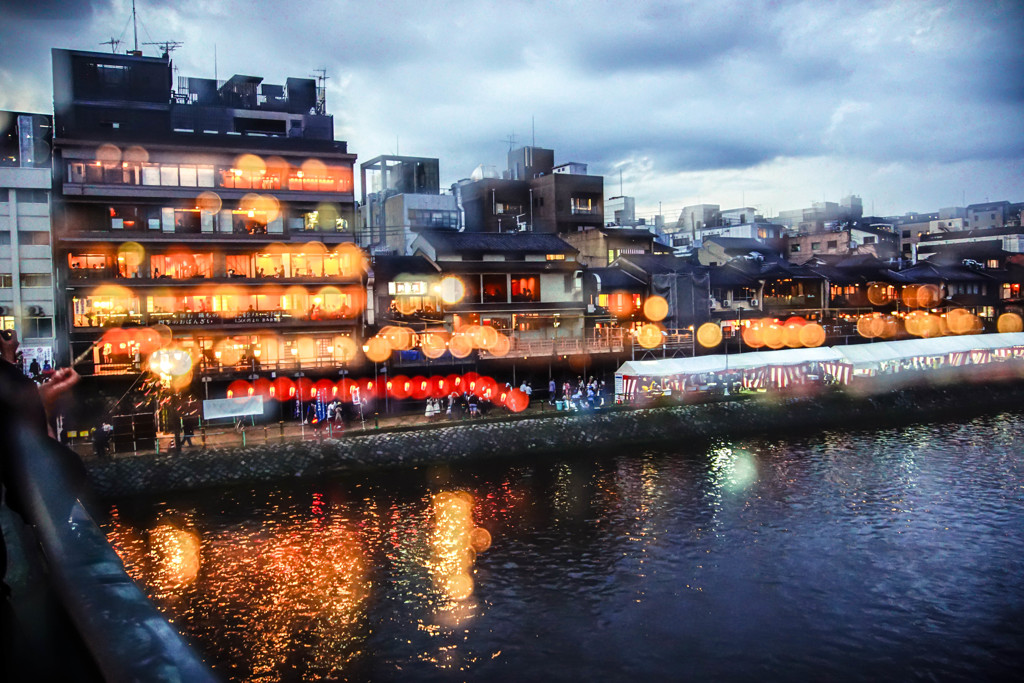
[291, 589]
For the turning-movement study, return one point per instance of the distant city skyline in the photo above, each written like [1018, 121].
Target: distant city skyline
[913, 106]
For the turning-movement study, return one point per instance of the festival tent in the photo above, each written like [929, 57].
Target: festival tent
[759, 368]
[788, 366]
[893, 356]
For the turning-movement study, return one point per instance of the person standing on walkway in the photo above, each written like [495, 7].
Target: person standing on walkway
[552, 389]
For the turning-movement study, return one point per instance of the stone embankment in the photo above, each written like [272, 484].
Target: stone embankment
[553, 434]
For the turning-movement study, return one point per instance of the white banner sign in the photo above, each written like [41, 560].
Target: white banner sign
[233, 407]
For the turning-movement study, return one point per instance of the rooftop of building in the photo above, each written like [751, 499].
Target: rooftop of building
[445, 241]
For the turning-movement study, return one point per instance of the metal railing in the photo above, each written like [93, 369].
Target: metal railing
[127, 636]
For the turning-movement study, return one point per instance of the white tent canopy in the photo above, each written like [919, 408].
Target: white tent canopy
[860, 356]
[721, 362]
[866, 356]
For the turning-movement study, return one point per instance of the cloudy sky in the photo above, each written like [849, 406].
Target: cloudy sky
[913, 105]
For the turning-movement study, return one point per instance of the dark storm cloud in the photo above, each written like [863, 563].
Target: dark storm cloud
[57, 10]
[689, 88]
[668, 36]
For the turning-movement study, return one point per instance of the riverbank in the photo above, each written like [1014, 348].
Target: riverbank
[544, 434]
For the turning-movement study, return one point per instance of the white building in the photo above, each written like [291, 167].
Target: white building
[620, 211]
[26, 262]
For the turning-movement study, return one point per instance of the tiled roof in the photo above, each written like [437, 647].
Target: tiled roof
[522, 242]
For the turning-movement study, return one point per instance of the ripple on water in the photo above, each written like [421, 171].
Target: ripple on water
[894, 554]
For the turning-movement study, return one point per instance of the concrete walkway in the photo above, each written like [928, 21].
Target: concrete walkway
[221, 436]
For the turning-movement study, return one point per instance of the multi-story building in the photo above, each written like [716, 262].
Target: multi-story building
[822, 215]
[221, 212]
[523, 285]
[875, 239]
[620, 211]
[26, 263]
[992, 214]
[537, 197]
[400, 197]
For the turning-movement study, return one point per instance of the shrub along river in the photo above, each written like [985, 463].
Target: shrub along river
[893, 554]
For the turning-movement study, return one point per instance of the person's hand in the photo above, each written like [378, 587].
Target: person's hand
[9, 346]
[60, 382]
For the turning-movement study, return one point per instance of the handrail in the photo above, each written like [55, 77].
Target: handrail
[128, 637]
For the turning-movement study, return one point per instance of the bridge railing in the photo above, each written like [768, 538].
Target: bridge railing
[127, 636]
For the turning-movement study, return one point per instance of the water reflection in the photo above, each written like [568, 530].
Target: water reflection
[763, 559]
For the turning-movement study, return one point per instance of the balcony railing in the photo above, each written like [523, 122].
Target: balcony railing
[605, 341]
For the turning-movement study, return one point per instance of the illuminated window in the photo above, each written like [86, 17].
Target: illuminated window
[525, 288]
[182, 266]
[249, 222]
[495, 289]
[100, 311]
[555, 257]
[238, 265]
[582, 205]
[409, 288]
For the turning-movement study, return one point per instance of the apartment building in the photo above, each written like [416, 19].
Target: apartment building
[26, 265]
[222, 212]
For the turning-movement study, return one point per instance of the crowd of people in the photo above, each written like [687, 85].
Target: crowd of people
[580, 395]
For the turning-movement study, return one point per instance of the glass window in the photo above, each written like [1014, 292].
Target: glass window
[150, 174]
[84, 266]
[97, 311]
[76, 172]
[94, 173]
[472, 286]
[169, 175]
[34, 237]
[181, 266]
[815, 246]
[36, 280]
[239, 265]
[832, 244]
[38, 327]
[187, 176]
[582, 205]
[187, 221]
[495, 289]
[204, 176]
[6, 282]
[249, 222]
[32, 196]
[525, 288]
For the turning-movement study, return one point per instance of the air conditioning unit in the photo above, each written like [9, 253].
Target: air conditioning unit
[753, 303]
[726, 303]
[35, 310]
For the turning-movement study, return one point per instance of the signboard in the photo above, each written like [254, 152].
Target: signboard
[43, 355]
[242, 406]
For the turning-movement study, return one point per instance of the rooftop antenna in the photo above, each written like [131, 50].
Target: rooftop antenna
[135, 27]
[168, 46]
[511, 140]
[113, 43]
[321, 89]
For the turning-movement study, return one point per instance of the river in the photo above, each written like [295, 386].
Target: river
[893, 554]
